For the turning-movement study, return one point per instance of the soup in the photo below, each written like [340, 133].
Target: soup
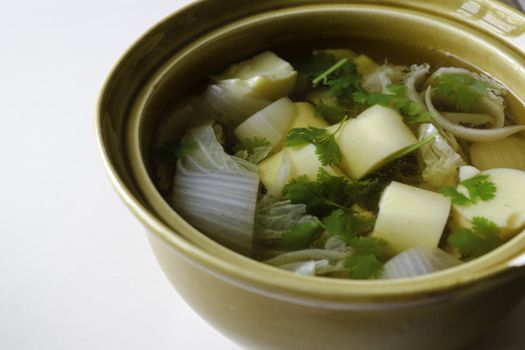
[339, 164]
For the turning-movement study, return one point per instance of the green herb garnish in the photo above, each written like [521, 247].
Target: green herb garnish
[325, 145]
[316, 64]
[301, 236]
[332, 114]
[479, 187]
[397, 99]
[329, 192]
[365, 266]
[478, 240]
[462, 90]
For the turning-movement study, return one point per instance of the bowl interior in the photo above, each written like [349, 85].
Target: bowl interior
[403, 35]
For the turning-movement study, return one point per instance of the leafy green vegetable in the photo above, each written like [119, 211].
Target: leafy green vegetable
[479, 188]
[325, 145]
[342, 78]
[462, 90]
[329, 192]
[397, 99]
[478, 240]
[300, 236]
[316, 64]
[168, 153]
[364, 266]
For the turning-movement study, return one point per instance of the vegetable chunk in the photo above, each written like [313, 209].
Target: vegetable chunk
[411, 217]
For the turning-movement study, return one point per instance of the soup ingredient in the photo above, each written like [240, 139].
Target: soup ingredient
[505, 208]
[324, 141]
[368, 140]
[266, 74]
[416, 74]
[439, 161]
[216, 192]
[233, 100]
[298, 161]
[305, 117]
[505, 153]
[417, 262]
[270, 123]
[479, 187]
[396, 97]
[411, 217]
[328, 192]
[253, 149]
[467, 133]
[482, 237]
[460, 89]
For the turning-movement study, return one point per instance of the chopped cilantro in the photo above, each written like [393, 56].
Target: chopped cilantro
[479, 187]
[481, 238]
[397, 99]
[325, 145]
[409, 149]
[329, 192]
[462, 90]
[300, 236]
[364, 266]
[348, 223]
[168, 153]
[316, 63]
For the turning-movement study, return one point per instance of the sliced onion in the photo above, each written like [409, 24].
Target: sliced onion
[492, 104]
[233, 100]
[417, 72]
[472, 118]
[418, 261]
[470, 134]
[216, 192]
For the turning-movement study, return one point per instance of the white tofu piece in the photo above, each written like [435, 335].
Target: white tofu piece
[266, 73]
[411, 217]
[506, 209]
[303, 161]
[369, 139]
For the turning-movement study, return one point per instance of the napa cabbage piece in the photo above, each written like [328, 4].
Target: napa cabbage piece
[311, 262]
[216, 192]
[438, 160]
[418, 261]
[381, 78]
[233, 100]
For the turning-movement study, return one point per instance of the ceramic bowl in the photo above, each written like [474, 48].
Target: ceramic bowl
[259, 306]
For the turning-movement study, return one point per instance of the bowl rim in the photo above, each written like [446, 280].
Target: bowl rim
[240, 269]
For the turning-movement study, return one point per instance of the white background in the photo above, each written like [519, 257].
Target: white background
[76, 271]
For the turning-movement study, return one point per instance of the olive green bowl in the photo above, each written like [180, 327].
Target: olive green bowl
[259, 306]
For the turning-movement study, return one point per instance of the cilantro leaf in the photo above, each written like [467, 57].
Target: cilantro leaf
[300, 236]
[481, 238]
[462, 90]
[364, 266]
[329, 192]
[168, 153]
[397, 99]
[479, 187]
[315, 64]
[348, 225]
[326, 147]
[346, 81]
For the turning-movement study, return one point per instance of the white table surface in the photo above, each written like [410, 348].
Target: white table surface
[76, 271]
